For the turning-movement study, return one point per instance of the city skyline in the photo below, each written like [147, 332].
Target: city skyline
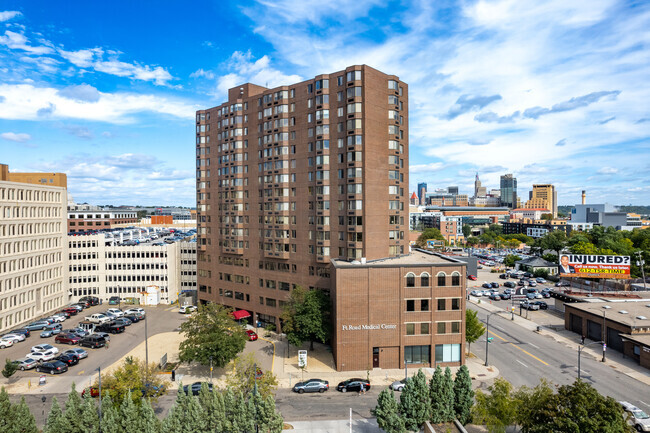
[551, 93]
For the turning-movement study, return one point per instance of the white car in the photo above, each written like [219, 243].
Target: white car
[44, 348]
[135, 310]
[116, 312]
[638, 418]
[47, 355]
[4, 343]
[187, 309]
[58, 318]
[16, 337]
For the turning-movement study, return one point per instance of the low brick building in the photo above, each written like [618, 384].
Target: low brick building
[408, 309]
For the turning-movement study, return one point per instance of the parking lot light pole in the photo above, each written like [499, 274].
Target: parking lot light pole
[99, 369]
[146, 347]
[580, 349]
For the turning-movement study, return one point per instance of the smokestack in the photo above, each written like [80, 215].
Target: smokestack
[584, 197]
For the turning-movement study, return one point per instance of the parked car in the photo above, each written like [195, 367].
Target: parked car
[106, 335]
[77, 307]
[526, 305]
[94, 392]
[486, 285]
[503, 276]
[311, 385]
[67, 338]
[187, 309]
[542, 305]
[398, 385]
[476, 293]
[495, 296]
[4, 343]
[77, 351]
[116, 312]
[505, 296]
[122, 321]
[540, 280]
[135, 310]
[133, 317]
[532, 284]
[58, 318]
[114, 300]
[510, 284]
[93, 341]
[638, 418]
[35, 326]
[68, 358]
[51, 330]
[353, 385]
[90, 300]
[76, 331]
[21, 331]
[546, 294]
[111, 327]
[195, 388]
[71, 311]
[471, 277]
[494, 285]
[25, 363]
[43, 348]
[252, 335]
[44, 356]
[16, 337]
[54, 367]
[562, 284]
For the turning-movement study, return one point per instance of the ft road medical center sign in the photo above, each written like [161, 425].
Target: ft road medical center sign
[367, 327]
[594, 266]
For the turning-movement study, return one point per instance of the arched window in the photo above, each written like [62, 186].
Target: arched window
[455, 279]
[442, 279]
[410, 279]
[424, 279]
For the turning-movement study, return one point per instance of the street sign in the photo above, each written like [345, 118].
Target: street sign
[302, 358]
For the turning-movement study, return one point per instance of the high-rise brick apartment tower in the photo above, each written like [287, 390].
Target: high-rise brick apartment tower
[292, 177]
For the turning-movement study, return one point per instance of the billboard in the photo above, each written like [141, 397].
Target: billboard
[592, 266]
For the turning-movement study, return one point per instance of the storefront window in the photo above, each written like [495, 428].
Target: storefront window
[447, 352]
[417, 354]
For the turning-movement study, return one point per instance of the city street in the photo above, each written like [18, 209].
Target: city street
[523, 357]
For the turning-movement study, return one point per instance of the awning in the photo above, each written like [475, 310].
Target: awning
[241, 314]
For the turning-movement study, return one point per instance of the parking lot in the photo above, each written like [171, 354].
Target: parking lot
[159, 319]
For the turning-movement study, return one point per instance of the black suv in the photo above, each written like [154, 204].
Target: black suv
[93, 341]
[90, 300]
[111, 327]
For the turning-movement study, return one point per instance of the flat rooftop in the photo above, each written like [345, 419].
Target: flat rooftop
[415, 258]
[634, 313]
[643, 339]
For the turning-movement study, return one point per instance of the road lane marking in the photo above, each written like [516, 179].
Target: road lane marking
[534, 346]
[648, 405]
[81, 372]
[273, 358]
[521, 363]
[514, 345]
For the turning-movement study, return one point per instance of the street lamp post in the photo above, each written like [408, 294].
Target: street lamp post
[146, 347]
[581, 348]
[487, 338]
[99, 369]
[604, 334]
[641, 263]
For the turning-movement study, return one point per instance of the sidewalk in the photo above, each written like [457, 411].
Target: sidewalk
[614, 359]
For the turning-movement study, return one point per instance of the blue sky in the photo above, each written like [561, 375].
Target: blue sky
[552, 91]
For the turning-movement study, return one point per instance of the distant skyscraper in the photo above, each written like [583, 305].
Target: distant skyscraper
[508, 190]
[453, 190]
[543, 196]
[422, 192]
[479, 191]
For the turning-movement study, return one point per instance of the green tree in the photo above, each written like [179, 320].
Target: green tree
[10, 368]
[129, 415]
[184, 416]
[131, 378]
[447, 396]
[550, 257]
[474, 329]
[211, 333]
[267, 418]
[554, 241]
[73, 412]
[414, 402]
[387, 413]
[467, 230]
[547, 216]
[54, 422]
[463, 395]
[429, 233]
[306, 317]
[213, 409]
[510, 260]
[110, 416]
[497, 229]
[89, 415]
[435, 392]
[241, 376]
[6, 416]
[243, 415]
[23, 420]
[496, 409]
[473, 241]
[148, 422]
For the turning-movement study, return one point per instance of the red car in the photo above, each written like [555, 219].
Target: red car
[471, 277]
[252, 336]
[94, 391]
[67, 339]
[71, 311]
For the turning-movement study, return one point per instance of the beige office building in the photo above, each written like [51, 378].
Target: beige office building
[32, 245]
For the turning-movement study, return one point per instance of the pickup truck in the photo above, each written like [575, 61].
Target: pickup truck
[98, 318]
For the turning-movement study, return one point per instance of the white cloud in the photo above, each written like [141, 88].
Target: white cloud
[81, 92]
[608, 170]
[426, 168]
[17, 137]
[8, 15]
[28, 102]
[18, 41]
[200, 73]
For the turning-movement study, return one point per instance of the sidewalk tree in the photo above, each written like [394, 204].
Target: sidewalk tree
[414, 402]
[211, 333]
[10, 368]
[429, 233]
[496, 409]
[387, 413]
[463, 395]
[267, 418]
[474, 329]
[241, 376]
[306, 317]
[435, 390]
[447, 396]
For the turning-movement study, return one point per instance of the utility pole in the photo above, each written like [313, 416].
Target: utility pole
[99, 369]
[604, 334]
[487, 338]
[641, 263]
[581, 348]
[146, 347]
